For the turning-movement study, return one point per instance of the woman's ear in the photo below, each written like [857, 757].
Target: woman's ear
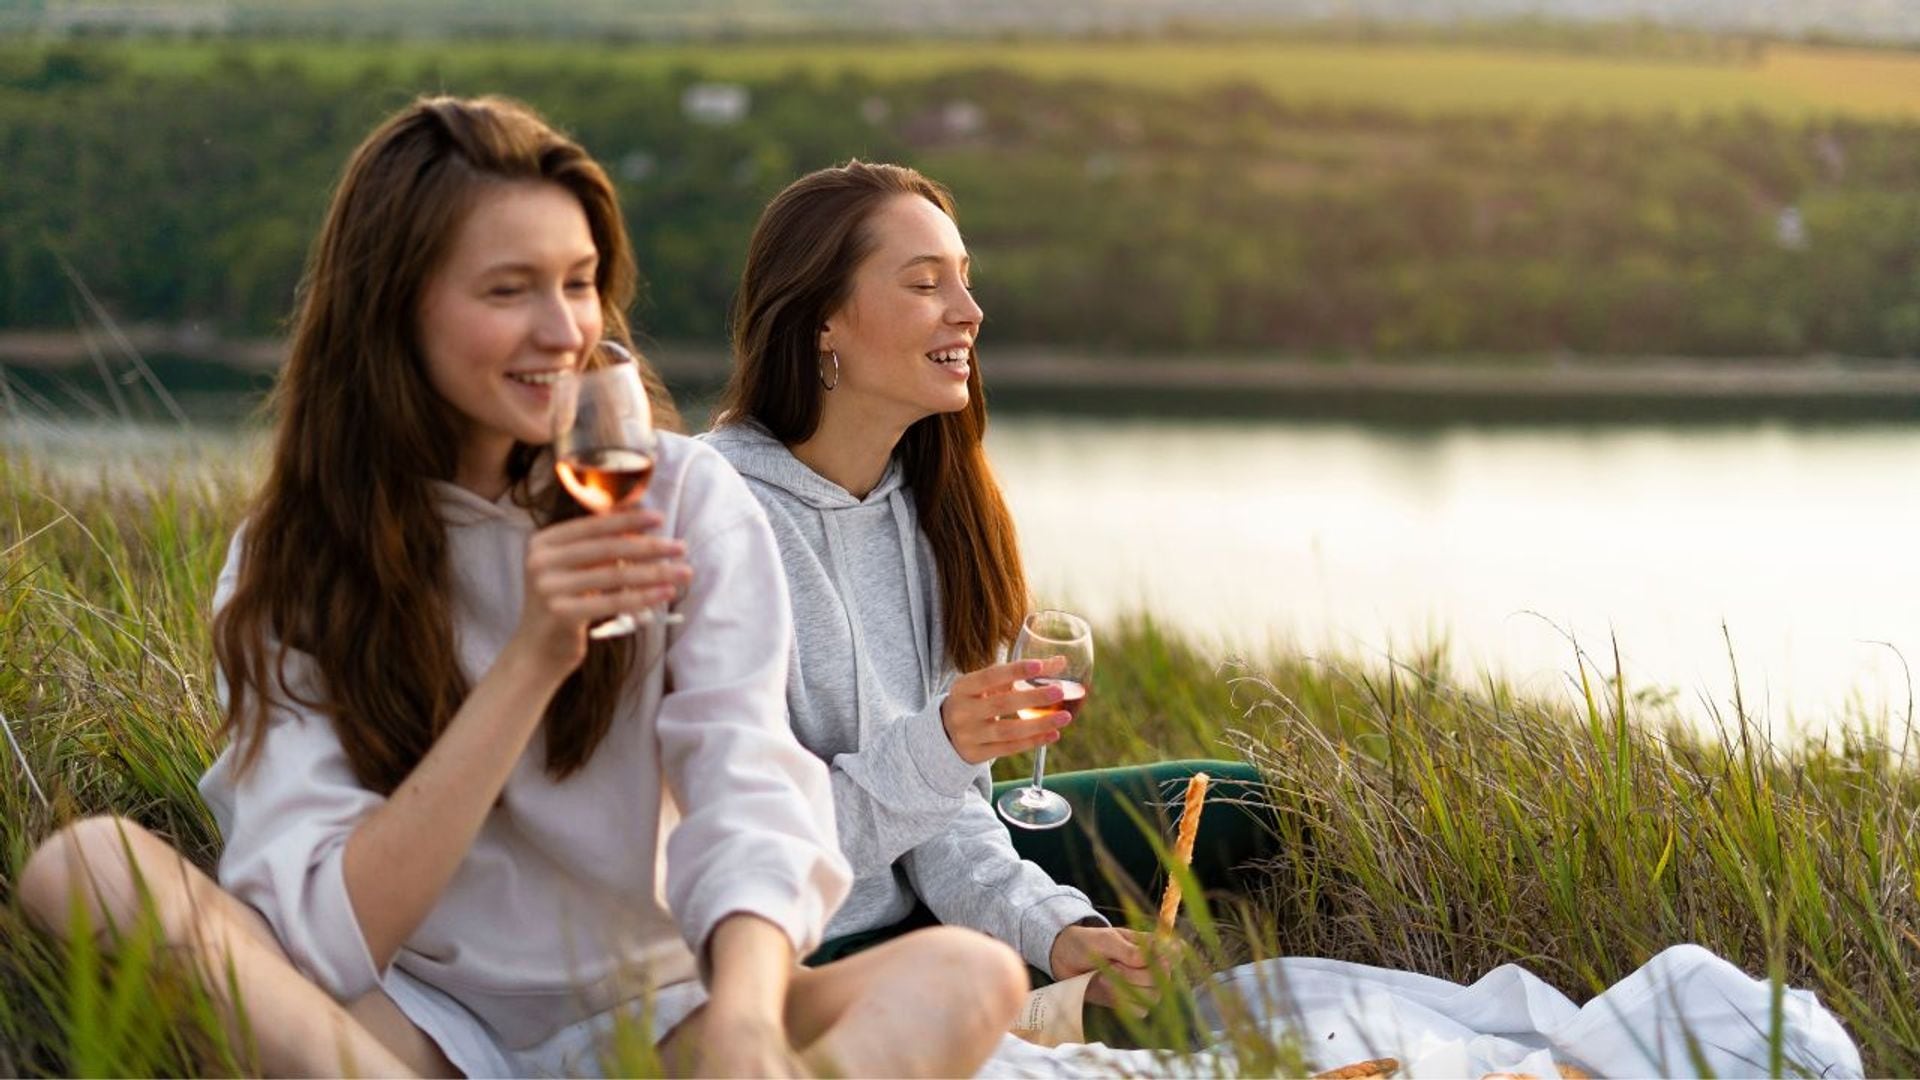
[823, 342]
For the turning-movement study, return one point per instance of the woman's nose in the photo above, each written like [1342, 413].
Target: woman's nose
[966, 310]
[559, 325]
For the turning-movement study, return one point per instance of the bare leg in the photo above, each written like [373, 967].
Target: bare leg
[377, 1013]
[299, 1029]
[932, 1003]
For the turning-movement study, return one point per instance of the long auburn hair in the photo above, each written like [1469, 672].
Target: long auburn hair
[344, 556]
[800, 266]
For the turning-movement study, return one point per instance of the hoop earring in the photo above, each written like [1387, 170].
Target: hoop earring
[836, 371]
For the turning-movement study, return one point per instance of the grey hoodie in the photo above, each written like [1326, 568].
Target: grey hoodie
[864, 691]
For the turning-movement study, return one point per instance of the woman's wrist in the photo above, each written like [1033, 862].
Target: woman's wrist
[752, 962]
[527, 668]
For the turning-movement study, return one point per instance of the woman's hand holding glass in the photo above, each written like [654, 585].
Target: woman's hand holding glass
[589, 569]
[982, 710]
[603, 451]
[1057, 638]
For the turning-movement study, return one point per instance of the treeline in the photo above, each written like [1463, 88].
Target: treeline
[1101, 215]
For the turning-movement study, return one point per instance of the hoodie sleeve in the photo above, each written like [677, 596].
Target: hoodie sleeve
[285, 823]
[756, 834]
[901, 780]
[969, 875]
[899, 789]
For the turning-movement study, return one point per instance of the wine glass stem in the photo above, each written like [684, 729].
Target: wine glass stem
[1039, 767]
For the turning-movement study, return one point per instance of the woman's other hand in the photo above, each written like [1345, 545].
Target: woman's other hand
[592, 568]
[981, 713]
[735, 1046]
[741, 1030]
[1120, 957]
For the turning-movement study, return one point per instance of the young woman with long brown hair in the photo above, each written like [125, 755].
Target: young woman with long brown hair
[855, 413]
[449, 819]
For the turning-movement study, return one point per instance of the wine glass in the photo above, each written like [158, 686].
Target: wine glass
[1045, 634]
[603, 449]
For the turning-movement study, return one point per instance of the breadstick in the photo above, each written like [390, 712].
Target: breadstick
[1183, 848]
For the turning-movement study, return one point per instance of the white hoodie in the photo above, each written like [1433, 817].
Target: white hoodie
[576, 895]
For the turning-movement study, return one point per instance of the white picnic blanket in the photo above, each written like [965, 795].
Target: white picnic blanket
[1685, 1013]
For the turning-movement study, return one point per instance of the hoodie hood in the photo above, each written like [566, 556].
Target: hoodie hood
[822, 528]
[757, 455]
[458, 506]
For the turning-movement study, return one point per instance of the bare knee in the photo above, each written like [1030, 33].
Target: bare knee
[81, 854]
[108, 865]
[995, 976]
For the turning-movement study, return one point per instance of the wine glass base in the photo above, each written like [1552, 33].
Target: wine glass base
[1034, 808]
[628, 622]
[617, 626]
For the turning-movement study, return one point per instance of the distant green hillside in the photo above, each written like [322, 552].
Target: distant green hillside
[1780, 80]
[1149, 208]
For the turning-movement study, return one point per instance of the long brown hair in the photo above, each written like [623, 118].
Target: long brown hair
[345, 556]
[799, 270]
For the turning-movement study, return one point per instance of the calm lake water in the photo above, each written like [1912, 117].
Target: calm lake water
[1508, 544]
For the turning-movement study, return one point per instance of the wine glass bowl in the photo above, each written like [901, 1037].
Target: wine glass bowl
[1044, 635]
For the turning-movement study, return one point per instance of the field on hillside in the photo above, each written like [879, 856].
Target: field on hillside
[1735, 204]
[1782, 81]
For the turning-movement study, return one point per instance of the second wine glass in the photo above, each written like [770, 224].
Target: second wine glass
[1046, 634]
[603, 449]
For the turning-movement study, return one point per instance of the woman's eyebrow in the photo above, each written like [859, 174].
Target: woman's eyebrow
[518, 266]
[917, 260]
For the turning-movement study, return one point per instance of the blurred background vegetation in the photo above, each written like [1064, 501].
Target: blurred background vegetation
[1327, 189]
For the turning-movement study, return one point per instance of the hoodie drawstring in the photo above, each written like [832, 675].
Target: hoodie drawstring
[916, 604]
[837, 571]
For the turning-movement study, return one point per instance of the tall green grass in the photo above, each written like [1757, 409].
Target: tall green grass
[1426, 825]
